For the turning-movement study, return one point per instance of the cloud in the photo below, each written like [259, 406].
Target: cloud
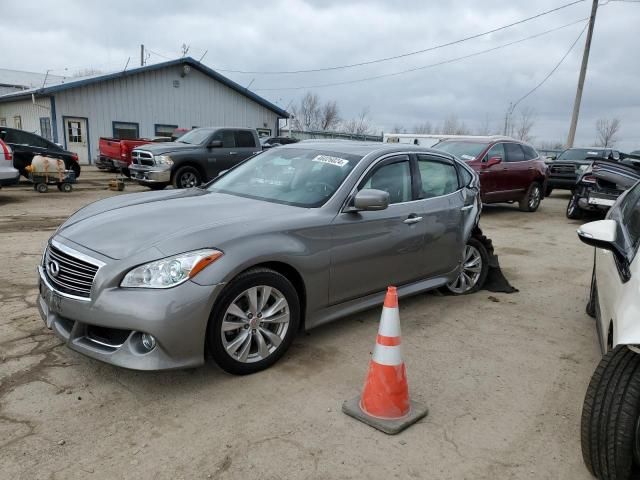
[296, 34]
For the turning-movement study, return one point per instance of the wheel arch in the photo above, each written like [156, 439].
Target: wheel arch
[189, 163]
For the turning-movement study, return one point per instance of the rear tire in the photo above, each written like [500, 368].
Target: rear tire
[610, 415]
[531, 200]
[187, 177]
[219, 341]
[574, 212]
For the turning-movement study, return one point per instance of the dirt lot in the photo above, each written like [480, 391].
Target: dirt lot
[503, 376]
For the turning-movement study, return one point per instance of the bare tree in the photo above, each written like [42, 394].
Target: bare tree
[607, 131]
[86, 72]
[359, 125]
[485, 126]
[551, 145]
[329, 116]
[453, 126]
[397, 128]
[307, 114]
[423, 128]
[522, 127]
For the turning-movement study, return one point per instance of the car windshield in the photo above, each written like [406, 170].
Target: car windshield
[299, 177]
[580, 154]
[467, 151]
[195, 137]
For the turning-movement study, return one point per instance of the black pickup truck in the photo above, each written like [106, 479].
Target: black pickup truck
[195, 158]
[565, 171]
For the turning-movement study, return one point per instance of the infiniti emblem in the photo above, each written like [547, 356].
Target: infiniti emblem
[53, 268]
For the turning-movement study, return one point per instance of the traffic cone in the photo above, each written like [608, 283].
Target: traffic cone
[384, 403]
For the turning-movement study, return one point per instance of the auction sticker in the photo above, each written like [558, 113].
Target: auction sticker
[337, 161]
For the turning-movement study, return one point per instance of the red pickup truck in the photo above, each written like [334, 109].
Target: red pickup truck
[115, 154]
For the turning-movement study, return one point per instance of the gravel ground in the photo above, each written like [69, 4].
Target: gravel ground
[503, 375]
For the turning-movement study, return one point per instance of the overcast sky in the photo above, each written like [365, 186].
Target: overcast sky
[66, 36]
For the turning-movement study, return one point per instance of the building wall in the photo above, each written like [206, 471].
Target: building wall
[151, 98]
[28, 112]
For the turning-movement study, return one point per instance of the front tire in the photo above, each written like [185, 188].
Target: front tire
[531, 200]
[474, 269]
[610, 416]
[253, 321]
[187, 177]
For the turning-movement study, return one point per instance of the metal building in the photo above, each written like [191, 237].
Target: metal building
[136, 103]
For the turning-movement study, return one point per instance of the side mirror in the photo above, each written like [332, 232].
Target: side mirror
[215, 144]
[492, 161]
[370, 199]
[59, 145]
[599, 234]
[553, 157]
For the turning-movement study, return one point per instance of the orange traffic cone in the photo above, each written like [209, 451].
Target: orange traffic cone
[384, 403]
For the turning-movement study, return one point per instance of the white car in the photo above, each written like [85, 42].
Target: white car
[8, 174]
[610, 427]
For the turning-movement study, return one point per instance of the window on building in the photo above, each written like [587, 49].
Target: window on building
[164, 130]
[126, 130]
[45, 128]
[3, 122]
[17, 122]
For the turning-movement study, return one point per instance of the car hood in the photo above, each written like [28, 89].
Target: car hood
[166, 147]
[173, 221]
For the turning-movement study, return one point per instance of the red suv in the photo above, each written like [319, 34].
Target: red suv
[510, 170]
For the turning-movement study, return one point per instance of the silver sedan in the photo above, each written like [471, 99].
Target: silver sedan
[290, 239]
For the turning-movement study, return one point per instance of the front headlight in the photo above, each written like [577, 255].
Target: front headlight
[171, 271]
[163, 160]
[583, 168]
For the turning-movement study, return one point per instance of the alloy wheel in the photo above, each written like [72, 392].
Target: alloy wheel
[534, 198]
[470, 272]
[255, 324]
[188, 180]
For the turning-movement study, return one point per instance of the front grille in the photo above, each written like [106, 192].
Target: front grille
[563, 169]
[140, 157]
[74, 276]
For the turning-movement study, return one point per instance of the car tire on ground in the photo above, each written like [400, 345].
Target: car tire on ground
[531, 200]
[253, 322]
[187, 177]
[610, 416]
[574, 212]
[157, 186]
[471, 278]
[73, 166]
[42, 188]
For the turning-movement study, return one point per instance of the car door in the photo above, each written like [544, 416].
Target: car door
[371, 250]
[516, 176]
[490, 176]
[245, 145]
[223, 157]
[441, 204]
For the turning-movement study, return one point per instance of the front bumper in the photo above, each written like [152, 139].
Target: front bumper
[565, 183]
[147, 175]
[108, 326]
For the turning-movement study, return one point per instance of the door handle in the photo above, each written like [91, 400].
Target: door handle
[233, 153]
[466, 207]
[412, 219]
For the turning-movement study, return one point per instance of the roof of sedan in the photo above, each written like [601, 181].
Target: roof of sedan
[354, 147]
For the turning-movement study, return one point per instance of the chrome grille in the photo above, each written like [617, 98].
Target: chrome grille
[563, 169]
[140, 157]
[72, 275]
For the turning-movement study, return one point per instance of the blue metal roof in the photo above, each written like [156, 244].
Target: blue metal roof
[80, 82]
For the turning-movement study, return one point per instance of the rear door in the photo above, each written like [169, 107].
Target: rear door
[245, 144]
[516, 178]
[372, 250]
[441, 205]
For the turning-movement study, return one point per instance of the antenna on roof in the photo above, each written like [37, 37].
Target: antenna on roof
[125, 67]
[185, 49]
[200, 59]
[250, 83]
[44, 82]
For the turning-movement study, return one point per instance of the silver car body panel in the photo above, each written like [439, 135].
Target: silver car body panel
[332, 251]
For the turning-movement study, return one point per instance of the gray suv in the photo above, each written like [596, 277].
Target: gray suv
[293, 238]
[194, 158]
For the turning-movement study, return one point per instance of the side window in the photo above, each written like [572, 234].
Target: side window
[394, 178]
[245, 139]
[496, 151]
[465, 176]
[36, 141]
[228, 139]
[514, 152]
[529, 152]
[17, 137]
[631, 214]
[437, 178]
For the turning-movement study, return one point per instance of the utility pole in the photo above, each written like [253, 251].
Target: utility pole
[583, 73]
[141, 55]
[507, 118]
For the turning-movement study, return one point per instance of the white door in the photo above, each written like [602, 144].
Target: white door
[76, 135]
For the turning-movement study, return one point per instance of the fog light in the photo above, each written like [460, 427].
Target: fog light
[148, 341]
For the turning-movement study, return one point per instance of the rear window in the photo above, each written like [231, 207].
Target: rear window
[244, 139]
[466, 151]
[529, 152]
[581, 153]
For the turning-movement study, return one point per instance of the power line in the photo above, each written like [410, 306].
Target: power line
[408, 54]
[444, 62]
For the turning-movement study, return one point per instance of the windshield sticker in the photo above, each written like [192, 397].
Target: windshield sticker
[337, 161]
[467, 157]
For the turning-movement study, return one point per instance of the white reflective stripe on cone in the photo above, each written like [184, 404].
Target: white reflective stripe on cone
[387, 355]
[389, 322]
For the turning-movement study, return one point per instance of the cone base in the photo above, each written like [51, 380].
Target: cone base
[390, 427]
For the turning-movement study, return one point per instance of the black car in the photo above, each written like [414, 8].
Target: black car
[602, 183]
[26, 145]
[565, 171]
[269, 142]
